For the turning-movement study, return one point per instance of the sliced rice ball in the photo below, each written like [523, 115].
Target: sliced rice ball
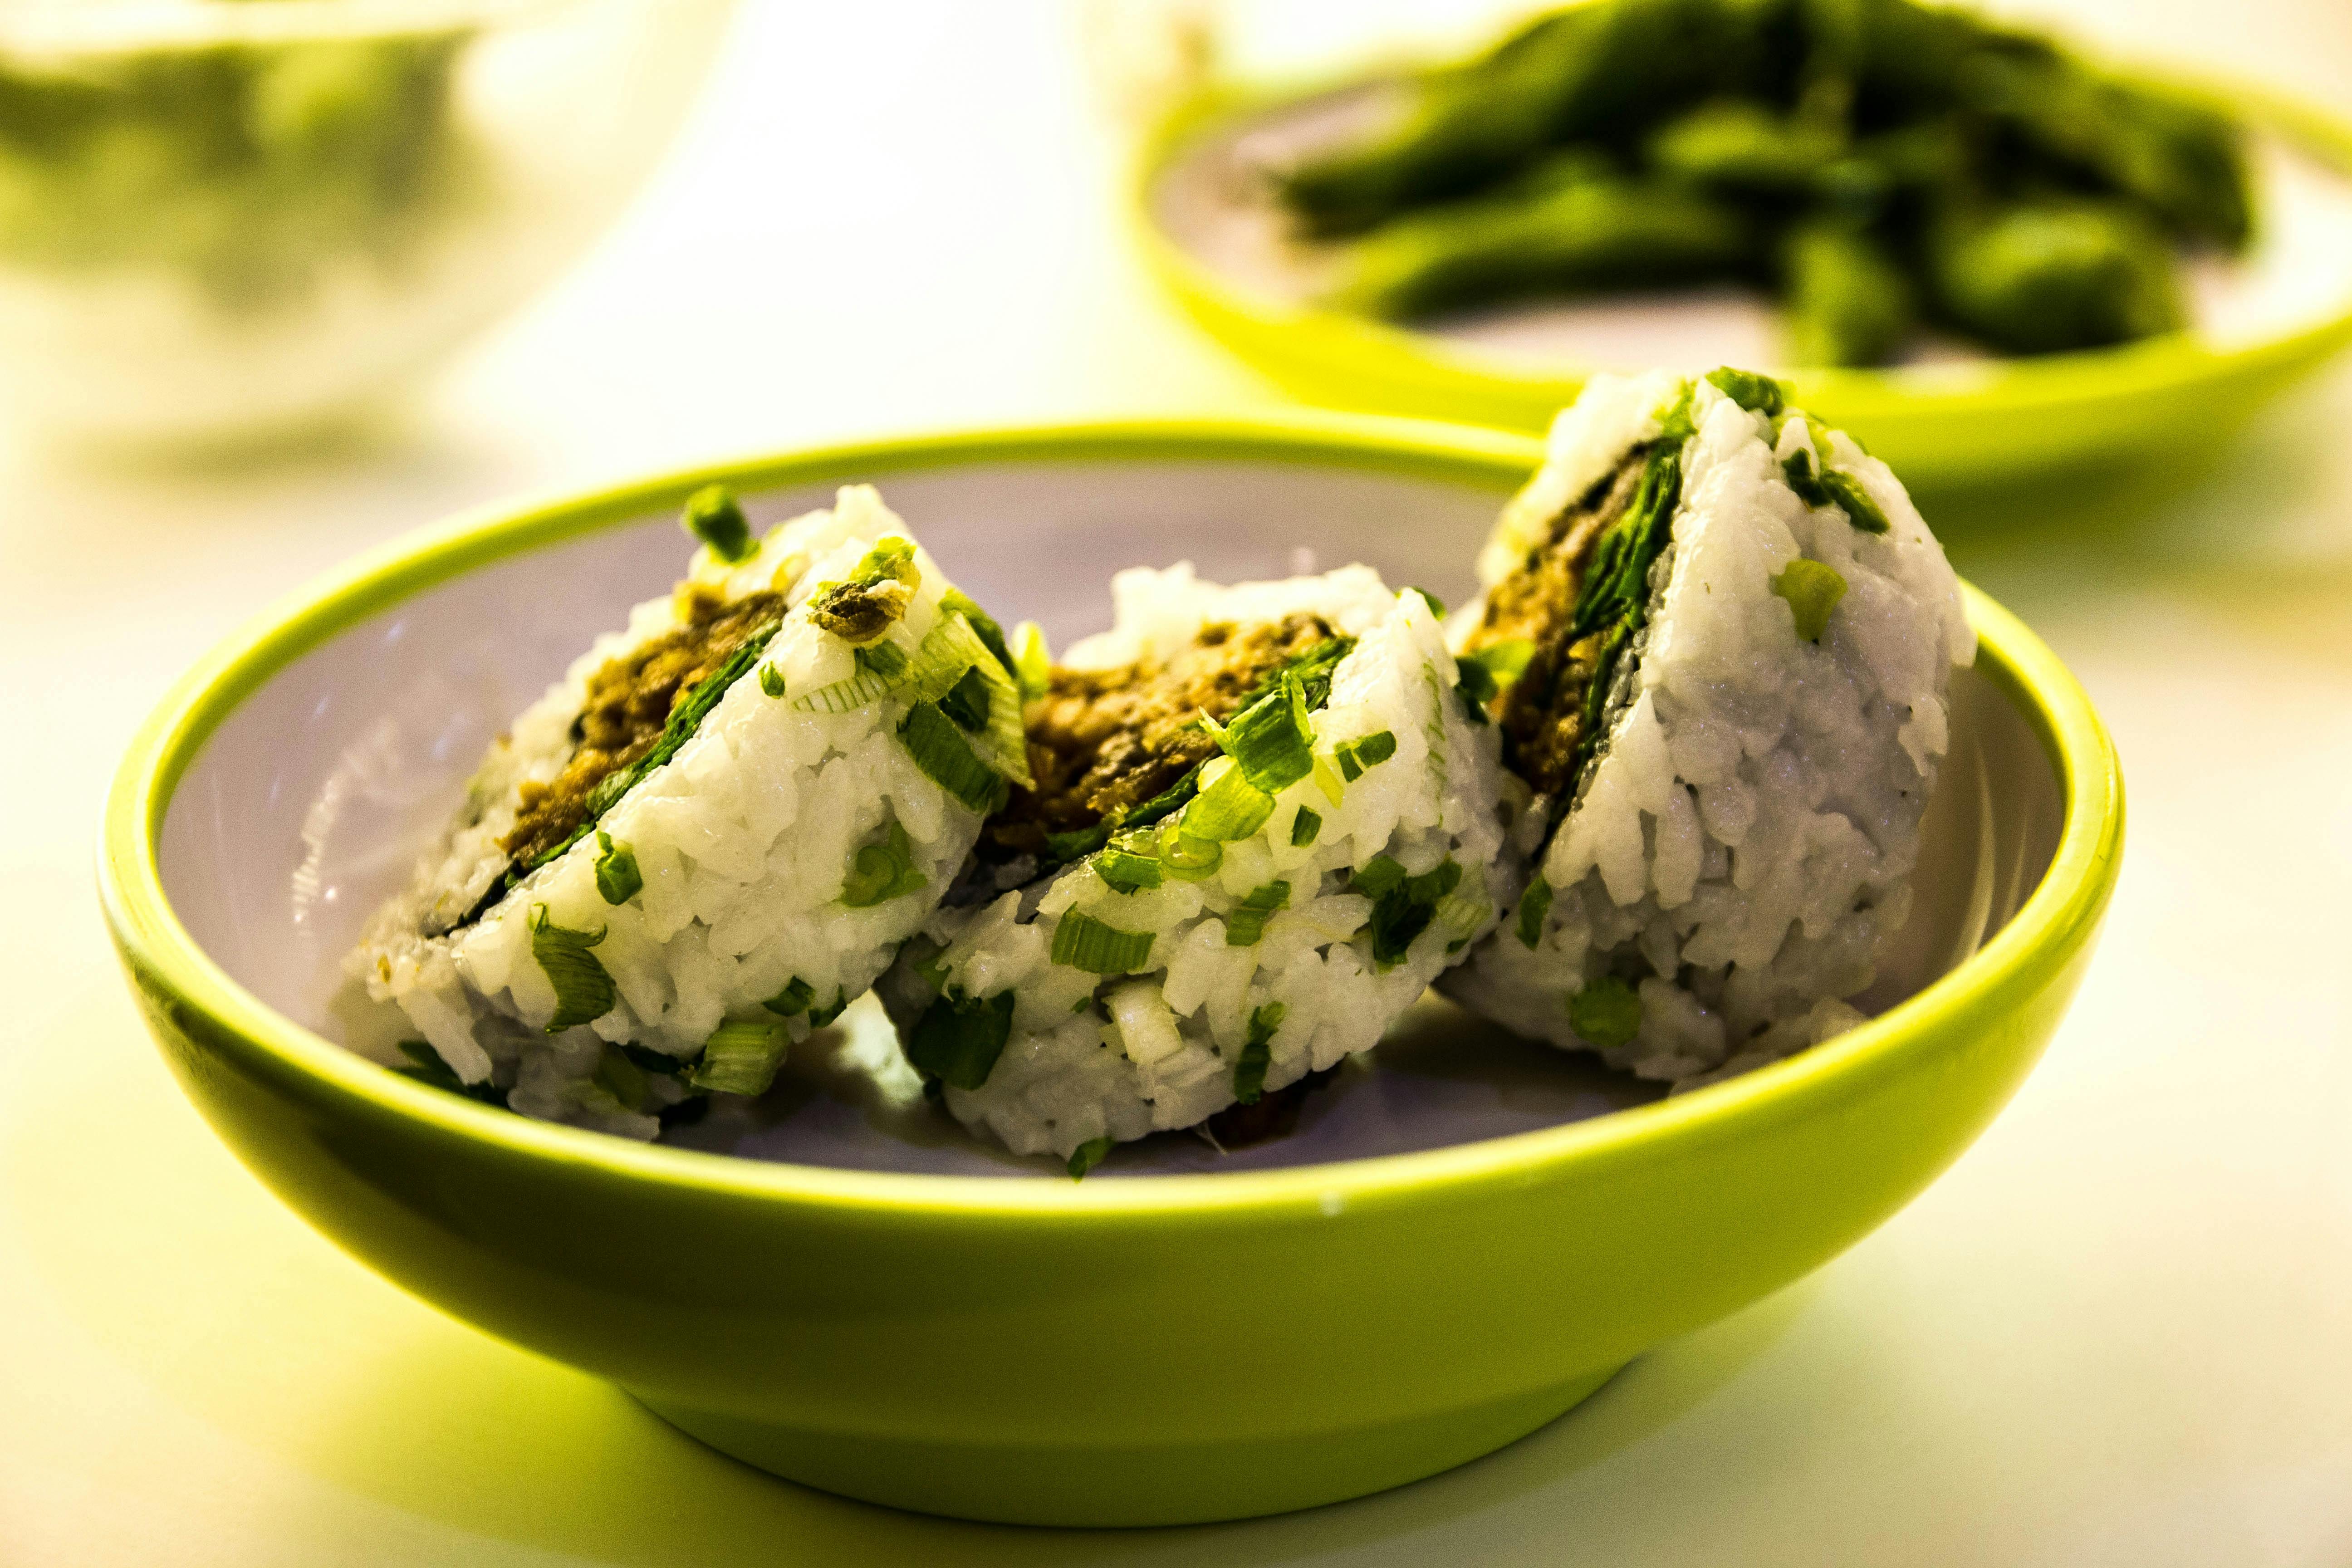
[1263, 820]
[713, 833]
[1718, 640]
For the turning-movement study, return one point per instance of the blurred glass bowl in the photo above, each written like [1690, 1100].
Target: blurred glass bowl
[224, 220]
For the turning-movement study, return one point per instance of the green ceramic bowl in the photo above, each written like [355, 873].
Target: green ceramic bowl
[1468, 1237]
[1201, 223]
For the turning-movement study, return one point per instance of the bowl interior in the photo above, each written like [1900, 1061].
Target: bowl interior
[1211, 200]
[306, 806]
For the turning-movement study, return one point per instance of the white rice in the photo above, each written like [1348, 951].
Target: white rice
[1742, 849]
[743, 839]
[1089, 1057]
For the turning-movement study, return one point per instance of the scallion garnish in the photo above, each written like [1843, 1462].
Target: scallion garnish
[1812, 591]
[966, 701]
[1355, 756]
[1230, 807]
[1245, 924]
[1271, 741]
[713, 516]
[883, 871]
[946, 759]
[1082, 942]
[1436, 606]
[1402, 906]
[886, 659]
[1087, 1155]
[1860, 510]
[771, 680]
[618, 1075]
[617, 878]
[1127, 871]
[583, 992]
[1305, 826]
[1757, 394]
[792, 999]
[1534, 905]
[741, 1057]
[1607, 1013]
[1257, 1054]
[958, 1039]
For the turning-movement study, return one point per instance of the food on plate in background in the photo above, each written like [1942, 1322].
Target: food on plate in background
[1882, 165]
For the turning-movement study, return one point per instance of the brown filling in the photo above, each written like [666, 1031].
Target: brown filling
[1103, 741]
[629, 700]
[1541, 713]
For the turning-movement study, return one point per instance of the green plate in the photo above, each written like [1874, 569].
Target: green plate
[868, 1309]
[1954, 422]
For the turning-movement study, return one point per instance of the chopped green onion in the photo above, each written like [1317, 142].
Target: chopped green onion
[892, 560]
[1077, 843]
[1247, 924]
[617, 877]
[1082, 942]
[1185, 857]
[1169, 801]
[1380, 874]
[1797, 467]
[820, 1016]
[955, 602]
[1812, 591]
[1607, 1013]
[1271, 741]
[882, 871]
[583, 992]
[1355, 756]
[1257, 1054]
[651, 1060]
[617, 1075]
[1305, 826]
[1436, 606]
[966, 701]
[939, 748]
[1860, 510]
[886, 659]
[928, 960]
[1231, 807]
[431, 1069]
[713, 516]
[1087, 1155]
[958, 1039]
[1535, 904]
[1757, 394]
[741, 1057]
[1127, 871]
[1405, 906]
[1033, 664]
[771, 680]
[792, 999]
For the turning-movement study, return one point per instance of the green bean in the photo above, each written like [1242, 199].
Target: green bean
[1848, 303]
[1585, 233]
[2052, 276]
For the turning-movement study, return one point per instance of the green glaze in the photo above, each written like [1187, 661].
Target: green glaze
[999, 1347]
[1936, 424]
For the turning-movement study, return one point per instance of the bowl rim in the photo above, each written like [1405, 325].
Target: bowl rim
[1339, 344]
[165, 961]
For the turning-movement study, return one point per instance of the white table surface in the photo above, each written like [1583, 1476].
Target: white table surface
[2119, 1331]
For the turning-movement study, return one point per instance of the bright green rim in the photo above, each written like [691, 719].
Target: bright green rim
[1344, 346]
[2038, 940]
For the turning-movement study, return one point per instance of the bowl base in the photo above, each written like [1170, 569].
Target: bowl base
[1095, 1485]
